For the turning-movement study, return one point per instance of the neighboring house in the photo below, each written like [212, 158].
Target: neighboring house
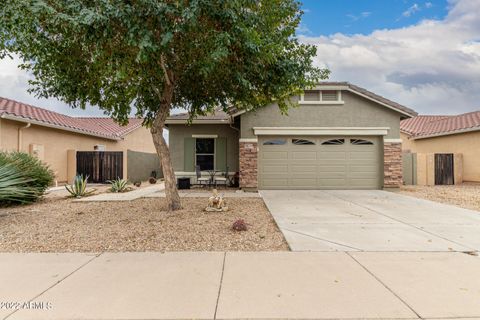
[56, 138]
[457, 135]
[340, 137]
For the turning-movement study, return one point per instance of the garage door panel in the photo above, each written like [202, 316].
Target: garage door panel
[275, 155]
[299, 169]
[303, 182]
[331, 183]
[345, 166]
[365, 183]
[275, 168]
[331, 155]
[331, 168]
[303, 155]
[278, 183]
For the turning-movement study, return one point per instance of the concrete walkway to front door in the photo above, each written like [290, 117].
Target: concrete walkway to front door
[371, 220]
[240, 285]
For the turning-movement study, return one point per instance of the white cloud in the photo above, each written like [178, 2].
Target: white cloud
[432, 67]
[412, 10]
[428, 5]
[362, 15]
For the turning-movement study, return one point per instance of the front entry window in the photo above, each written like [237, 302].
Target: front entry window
[205, 153]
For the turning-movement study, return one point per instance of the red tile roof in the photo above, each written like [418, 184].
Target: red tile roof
[96, 126]
[426, 126]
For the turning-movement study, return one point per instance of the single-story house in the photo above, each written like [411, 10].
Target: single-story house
[454, 138]
[61, 140]
[340, 137]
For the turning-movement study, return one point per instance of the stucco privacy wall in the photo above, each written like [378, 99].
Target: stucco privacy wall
[467, 144]
[56, 143]
[178, 133]
[355, 112]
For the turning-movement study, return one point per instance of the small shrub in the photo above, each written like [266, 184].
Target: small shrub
[78, 188]
[119, 185]
[239, 225]
[24, 178]
[152, 180]
[137, 184]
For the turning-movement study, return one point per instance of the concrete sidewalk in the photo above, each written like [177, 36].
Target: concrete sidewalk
[237, 285]
[124, 196]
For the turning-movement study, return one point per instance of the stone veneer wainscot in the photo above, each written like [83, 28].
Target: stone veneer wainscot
[392, 159]
[248, 165]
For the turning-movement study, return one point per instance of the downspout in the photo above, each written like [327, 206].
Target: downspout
[19, 144]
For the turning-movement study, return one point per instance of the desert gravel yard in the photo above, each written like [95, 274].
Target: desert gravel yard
[61, 225]
[466, 195]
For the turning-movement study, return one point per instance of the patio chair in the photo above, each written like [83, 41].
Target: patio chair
[222, 179]
[203, 181]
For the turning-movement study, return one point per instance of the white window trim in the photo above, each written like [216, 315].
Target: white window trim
[339, 99]
[207, 154]
[322, 131]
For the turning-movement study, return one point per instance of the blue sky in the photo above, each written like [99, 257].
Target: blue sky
[326, 17]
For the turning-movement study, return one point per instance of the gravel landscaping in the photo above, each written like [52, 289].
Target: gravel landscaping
[61, 225]
[465, 195]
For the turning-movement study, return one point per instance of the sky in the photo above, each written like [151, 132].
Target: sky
[422, 54]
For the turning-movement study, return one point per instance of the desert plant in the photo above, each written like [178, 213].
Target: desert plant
[152, 180]
[78, 188]
[24, 178]
[239, 225]
[14, 186]
[40, 176]
[119, 185]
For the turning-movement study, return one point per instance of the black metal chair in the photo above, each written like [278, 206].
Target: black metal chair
[222, 179]
[203, 181]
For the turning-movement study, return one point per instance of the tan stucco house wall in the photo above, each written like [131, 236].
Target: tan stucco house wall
[467, 144]
[53, 144]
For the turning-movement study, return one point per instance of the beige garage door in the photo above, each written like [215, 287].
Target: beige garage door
[319, 163]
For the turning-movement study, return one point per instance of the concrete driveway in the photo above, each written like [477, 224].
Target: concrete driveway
[371, 220]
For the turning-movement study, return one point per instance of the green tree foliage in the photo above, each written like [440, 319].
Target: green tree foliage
[155, 55]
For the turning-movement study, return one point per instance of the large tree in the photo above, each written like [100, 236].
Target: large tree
[155, 55]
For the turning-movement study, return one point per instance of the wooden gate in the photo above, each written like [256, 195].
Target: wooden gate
[444, 168]
[100, 166]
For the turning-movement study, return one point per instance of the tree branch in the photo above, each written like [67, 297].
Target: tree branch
[162, 63]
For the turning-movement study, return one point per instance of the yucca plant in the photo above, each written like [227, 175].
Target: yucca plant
[39, 174]
[78, 188]
[119, 185]
[14, 186]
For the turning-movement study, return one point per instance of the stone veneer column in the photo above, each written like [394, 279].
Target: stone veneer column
[392, 164]
[248, 165]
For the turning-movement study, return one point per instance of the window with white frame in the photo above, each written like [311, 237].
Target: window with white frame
[205, 153]
[321, 97]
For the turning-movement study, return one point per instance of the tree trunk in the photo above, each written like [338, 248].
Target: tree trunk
[171, 192]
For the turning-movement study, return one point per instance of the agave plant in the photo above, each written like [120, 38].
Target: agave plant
[119, 185]
[78, 188]
[14, 187]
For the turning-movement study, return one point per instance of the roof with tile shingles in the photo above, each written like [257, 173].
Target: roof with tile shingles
[426, 126]
[97, 126]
